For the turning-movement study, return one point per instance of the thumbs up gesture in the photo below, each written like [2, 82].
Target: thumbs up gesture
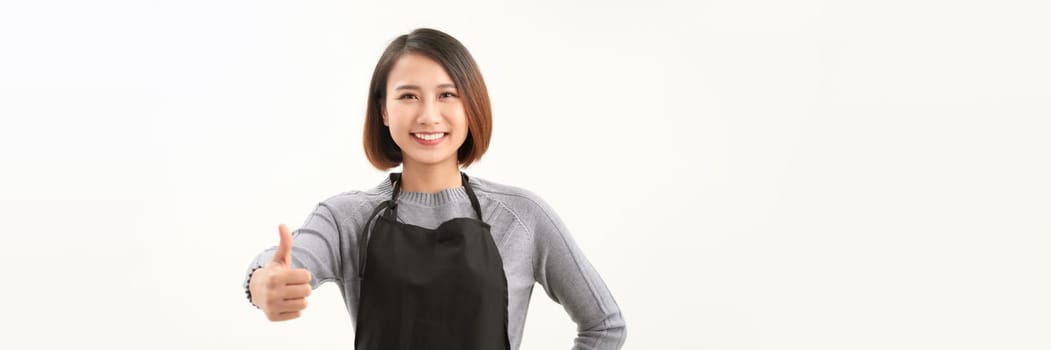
[278, 289]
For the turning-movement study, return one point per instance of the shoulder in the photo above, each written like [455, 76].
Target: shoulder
[523, 202]
[354, 203]
[504, 192]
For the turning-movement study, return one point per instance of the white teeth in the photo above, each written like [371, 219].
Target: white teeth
[430, 137]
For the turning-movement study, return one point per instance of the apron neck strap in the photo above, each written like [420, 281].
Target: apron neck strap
[470, 194]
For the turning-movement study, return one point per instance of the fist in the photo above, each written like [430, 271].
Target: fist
[278, 289]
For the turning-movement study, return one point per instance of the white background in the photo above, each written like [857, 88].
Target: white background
[743, 174]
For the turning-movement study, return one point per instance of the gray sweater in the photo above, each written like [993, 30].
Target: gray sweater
[533, 243]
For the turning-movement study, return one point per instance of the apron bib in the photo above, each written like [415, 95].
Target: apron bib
[441, 289]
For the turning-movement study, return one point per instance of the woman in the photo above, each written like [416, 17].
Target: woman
[431, 258]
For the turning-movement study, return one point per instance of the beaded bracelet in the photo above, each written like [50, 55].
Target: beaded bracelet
[248, 291]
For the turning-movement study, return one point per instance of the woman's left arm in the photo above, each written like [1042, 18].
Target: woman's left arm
[570, 280]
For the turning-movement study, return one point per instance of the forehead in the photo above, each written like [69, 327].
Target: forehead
[416, 69]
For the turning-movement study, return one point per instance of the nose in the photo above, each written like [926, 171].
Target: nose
[430, 113]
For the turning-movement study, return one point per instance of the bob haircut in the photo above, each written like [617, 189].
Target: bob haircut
[380, 148]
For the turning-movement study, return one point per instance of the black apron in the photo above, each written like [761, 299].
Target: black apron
[441, 289]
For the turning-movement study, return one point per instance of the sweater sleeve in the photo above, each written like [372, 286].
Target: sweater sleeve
[316, 246]
[570, 280]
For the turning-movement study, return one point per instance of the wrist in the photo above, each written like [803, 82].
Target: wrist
[248, 285]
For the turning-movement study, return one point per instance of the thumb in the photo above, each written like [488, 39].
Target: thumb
[283, 255]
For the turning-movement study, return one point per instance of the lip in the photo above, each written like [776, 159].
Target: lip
[429, 142]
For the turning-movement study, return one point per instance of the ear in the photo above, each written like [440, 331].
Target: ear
[383, 111]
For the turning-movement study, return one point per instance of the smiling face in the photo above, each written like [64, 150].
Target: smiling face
[424, 112]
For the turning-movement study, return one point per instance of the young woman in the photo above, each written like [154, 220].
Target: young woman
[431, 258]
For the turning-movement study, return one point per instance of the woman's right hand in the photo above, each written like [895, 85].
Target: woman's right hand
[278, 289]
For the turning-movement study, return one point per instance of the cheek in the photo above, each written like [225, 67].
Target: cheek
[458, 118]
[396, 115]
[461, 122]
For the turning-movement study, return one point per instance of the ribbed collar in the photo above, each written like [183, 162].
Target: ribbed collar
[449, 195]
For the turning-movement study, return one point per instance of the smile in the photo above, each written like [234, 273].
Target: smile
[429, 138]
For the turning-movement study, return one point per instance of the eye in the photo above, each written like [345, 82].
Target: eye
[448, 94]
[403, 96]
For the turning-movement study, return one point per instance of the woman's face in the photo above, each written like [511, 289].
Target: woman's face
[424, 112]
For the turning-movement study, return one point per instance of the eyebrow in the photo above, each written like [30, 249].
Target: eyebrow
[416, 87]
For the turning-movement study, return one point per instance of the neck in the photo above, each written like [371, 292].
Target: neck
[429, 178]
